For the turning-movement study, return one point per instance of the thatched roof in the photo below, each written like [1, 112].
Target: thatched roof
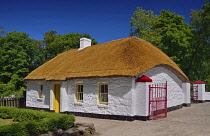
[124, 57]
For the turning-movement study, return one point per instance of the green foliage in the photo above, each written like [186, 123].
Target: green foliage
[142, 23]
[16, 129]
[21, 115]
[6, 89]
[34, 127]
[19, 55]
[176, 38]
[57, 43]
[34, 122]
[200, 63]
[17, 59]
[188, 46]
[4, 116]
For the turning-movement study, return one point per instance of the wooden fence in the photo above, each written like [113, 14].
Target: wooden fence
[14, 101]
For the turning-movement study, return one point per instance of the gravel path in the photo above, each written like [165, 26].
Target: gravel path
[188, 121]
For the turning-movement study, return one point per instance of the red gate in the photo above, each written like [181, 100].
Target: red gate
[194, 94]
[158, 100]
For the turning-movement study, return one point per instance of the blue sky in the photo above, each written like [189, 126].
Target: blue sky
[104, 20]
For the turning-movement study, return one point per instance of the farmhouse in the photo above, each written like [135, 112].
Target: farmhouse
[124, 79]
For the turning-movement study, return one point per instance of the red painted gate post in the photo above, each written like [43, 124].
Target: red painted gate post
[201, 90]
[142, 97]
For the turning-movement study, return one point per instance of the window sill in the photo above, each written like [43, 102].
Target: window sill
[78, 103]
[105, 106]
[39, 99]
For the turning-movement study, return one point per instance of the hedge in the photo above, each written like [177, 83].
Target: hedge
[32, 122]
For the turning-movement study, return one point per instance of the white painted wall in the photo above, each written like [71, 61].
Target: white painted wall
[120, 96]
[141, 99]
[63, 97]
[186, 92]
[207, 95]
[120, 102]
[32, 99]
[160, 75]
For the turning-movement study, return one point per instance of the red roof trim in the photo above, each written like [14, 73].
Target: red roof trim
[198, 82]
[143, 79]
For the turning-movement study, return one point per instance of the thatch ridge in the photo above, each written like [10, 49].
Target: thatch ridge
[124, 57]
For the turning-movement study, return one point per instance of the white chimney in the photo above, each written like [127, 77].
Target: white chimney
[84, 42]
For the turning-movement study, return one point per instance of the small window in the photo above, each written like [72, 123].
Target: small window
[79, 92]
[103, 93]
[40, 91]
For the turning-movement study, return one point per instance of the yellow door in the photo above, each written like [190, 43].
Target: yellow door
[56, 101]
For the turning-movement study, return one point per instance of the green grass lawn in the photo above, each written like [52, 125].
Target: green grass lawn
[4, 122]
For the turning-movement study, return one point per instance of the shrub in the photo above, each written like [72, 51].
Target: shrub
[34, 127]
[34, 122]
[17, 129]
[4, 116]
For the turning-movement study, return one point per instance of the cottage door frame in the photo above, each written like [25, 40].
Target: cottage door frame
[56, 97]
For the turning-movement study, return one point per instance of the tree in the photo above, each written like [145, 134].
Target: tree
[175, 38]
[200, 21]
[142, 25]
[18, 57]
[57, 43]
[167, 31]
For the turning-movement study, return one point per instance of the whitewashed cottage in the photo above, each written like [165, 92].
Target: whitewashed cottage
[109, 80]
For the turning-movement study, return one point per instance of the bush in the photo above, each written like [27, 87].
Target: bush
[34, 127]
[4, 116]
[16, 129]
[34, 122]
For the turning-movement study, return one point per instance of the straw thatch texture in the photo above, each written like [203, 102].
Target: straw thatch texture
[124, 57]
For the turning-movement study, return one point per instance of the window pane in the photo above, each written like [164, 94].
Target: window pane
[102, 88]
[78, 86]
[79, 92]
[105, 88]
[81, 88]
[40, 91]
[80, 96]
[104, 97]
[41, 87]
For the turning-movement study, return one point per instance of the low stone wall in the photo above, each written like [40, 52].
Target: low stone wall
[79, 129]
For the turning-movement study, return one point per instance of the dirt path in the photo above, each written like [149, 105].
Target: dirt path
[188, 121]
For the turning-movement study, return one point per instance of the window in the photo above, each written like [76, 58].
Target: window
[79, 92]
[40, 91]
[103, 93]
